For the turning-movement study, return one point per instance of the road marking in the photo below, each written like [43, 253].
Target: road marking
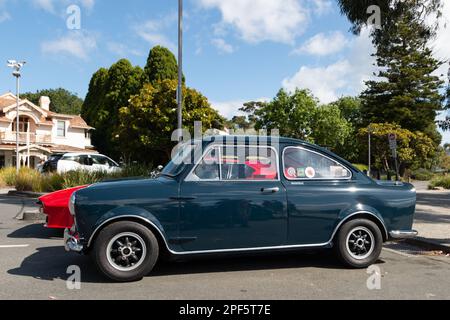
[15, 246]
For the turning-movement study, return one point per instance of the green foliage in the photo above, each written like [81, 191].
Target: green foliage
[147, 122]
[161, 65]
[109, 90]
[440, 182]
[356, 11]
[8, 176]
[422, 174]
[361, 167]
[415, 149]
[32, 180]
[62, 101]
[407, 92]
[298, 115]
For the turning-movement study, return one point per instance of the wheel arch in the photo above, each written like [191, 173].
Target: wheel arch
[363, 215]
[159, 234]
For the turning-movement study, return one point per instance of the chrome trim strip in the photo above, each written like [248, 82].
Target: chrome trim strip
[314, 179]
[239, 249]
[403, 234]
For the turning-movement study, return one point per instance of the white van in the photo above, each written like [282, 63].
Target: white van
[88, 162]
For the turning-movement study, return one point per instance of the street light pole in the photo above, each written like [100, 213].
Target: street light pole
[370, 151]
[180, 70]
[16, 73]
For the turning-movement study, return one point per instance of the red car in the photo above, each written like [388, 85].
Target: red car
[56, 206]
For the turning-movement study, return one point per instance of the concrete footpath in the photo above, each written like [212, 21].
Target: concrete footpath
[432, 218]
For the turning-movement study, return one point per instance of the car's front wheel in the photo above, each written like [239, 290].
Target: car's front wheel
[126, 251]
[358, 243]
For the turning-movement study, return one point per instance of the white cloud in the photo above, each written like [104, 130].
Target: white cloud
[323, 44]
[46, 5]
[262, 20]
[229, 109]
[122, 50]
[153, 31]
[322, 7]
[222, 45]
[4, 16]
[59, 6]
[345, 76]
[76, 44]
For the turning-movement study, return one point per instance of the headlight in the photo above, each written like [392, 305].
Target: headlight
[72, 204]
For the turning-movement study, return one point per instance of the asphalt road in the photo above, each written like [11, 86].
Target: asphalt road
[33, 265]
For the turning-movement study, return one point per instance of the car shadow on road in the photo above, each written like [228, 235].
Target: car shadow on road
[36, 231]
[51, 264]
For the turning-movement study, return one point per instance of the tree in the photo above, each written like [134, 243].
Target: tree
[350, 109]
[109, 90]
[148, 120]
[415, 149]
[390, 10]
[161, 65]
[62, 100]
[406, 93]
[298, 115]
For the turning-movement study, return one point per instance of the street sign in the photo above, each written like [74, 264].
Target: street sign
[392, 141]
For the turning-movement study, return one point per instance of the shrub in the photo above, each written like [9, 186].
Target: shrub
[362, 167]
[8, 176]
[79, 178]
[422, 175]
[443, 182]
[28, 180]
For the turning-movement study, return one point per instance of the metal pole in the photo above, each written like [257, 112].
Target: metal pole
[17, 122]
[370, 152]
[180, 69]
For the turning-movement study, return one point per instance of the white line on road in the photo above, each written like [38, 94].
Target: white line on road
[15, 246]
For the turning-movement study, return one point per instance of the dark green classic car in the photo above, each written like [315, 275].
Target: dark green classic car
[239, 194]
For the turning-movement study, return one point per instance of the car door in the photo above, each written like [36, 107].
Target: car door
[318, 189]
[233, 201]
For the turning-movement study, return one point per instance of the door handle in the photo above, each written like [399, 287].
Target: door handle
[270, 190]
[182, 198]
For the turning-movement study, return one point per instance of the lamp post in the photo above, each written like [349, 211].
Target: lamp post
[369, 130]
[180, 70]
[17, 66]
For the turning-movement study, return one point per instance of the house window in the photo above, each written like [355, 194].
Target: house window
[61, 129]
[24, 123]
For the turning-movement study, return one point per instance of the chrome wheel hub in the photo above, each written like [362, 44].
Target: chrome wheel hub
[360, 243]
[126, 251]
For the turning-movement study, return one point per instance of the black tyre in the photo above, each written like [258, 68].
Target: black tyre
[126, 251]
[358, 243]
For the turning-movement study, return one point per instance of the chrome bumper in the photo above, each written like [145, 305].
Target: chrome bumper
[71, 243]
[403, 234]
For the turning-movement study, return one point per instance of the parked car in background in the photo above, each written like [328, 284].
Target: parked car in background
[51, 165]
[88, 162]
[274, 196]
[56, 207]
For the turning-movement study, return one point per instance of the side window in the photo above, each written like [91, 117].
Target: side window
[208, 168]
[248, 163]
[100, 160]
[303, 164]
[237, 164]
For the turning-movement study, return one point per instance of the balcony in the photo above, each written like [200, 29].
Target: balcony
[25, 137]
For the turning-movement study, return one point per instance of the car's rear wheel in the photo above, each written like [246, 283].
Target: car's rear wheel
[358, 243]
[126, 251]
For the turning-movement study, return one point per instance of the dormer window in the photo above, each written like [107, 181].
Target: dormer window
[61, 129]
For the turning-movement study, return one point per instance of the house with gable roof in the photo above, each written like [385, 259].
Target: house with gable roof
[41, 132]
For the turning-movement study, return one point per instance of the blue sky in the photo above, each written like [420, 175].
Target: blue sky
[235, 50]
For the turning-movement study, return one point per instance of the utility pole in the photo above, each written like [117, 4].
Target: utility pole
[16, 73]
[180, 70]
[369, 130]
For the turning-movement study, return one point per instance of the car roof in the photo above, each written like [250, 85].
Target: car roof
[82, 154]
